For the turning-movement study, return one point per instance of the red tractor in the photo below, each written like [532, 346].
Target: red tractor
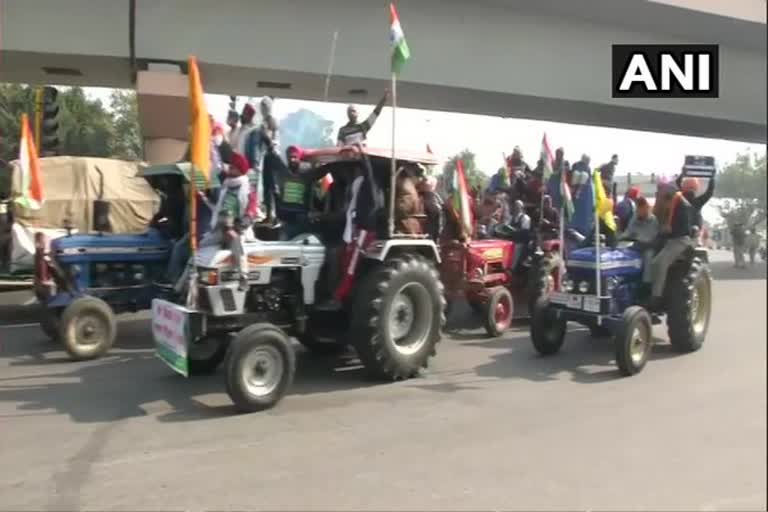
[500, 279]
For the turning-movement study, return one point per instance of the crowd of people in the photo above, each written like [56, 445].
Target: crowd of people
[261, 187]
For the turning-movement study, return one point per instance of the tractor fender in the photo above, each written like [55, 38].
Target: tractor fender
[63, 299]
[380, 250]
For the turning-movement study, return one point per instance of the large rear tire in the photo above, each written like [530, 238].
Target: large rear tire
[397, 323]
[498, 312]
[633, 340]
[260, 368]
[547, 331]
[88, 328]
[688, 299]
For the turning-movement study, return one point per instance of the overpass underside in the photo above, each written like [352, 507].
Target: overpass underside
[542, 59]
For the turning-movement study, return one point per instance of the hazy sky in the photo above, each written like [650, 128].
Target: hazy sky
[489, 137]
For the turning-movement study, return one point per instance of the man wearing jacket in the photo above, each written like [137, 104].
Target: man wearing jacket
[676, 237]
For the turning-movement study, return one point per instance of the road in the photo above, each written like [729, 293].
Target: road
[491, 426]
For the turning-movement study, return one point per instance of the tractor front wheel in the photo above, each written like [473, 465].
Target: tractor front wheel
[87, 328]
[260, 368]
[547, 331]
[499, 311]
[398, 320]
[633, 340]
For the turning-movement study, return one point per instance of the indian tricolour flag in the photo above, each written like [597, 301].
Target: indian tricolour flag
[546, 159]
[29, 169]
[400, 51]
[461, 204]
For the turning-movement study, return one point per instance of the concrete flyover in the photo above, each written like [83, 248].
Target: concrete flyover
[537, 59]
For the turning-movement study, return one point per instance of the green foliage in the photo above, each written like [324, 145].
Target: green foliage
[306, 129]
[86, 127]
[476, 179]
[125, 142]
[742, 185]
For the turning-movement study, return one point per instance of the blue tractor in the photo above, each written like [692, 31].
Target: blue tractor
[83, 280]
[606, 294]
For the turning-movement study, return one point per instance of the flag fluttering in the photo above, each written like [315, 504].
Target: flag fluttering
[31, 179]
[504, 173]
[565, 196]
[325, 184]
[546, 159]
[461, 203]
[400, 51]
[603, 204]
[200, 136]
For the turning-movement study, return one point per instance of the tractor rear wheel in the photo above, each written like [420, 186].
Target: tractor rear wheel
[689, 305]
[397, 322]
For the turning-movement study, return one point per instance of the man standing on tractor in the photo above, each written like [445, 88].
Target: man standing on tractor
[625, 210]
[354, 132]
[676, 238]
[238, 135]
[689, 186]
[271, 160]
[549, 221]
[433, 207]
[607, 171]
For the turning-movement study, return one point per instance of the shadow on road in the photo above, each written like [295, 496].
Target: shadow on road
[725, 271]
[131, 382]
[587, 360]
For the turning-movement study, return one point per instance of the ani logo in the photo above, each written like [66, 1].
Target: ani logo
[668, 71]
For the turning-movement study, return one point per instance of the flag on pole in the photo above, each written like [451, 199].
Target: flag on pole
[461, 203]
[565, 196]
[400, 51]
[325, 184]
[200, 136]
[603, 208]
[546, 159]
[29, 165]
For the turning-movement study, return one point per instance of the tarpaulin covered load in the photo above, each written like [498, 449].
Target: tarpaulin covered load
[71, 184]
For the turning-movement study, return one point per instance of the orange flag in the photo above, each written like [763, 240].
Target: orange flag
[200, 143]
[31, 178]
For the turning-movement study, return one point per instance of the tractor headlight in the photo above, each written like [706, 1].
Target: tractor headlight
[478, 273]
[583, 287]
[74, 271]
[208, 276]
[610, 285]
[568, 285]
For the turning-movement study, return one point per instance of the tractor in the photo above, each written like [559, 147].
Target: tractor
[392, 316]
[602, 289]
[83, 280]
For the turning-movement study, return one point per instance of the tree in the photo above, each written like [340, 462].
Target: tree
[125, 141]
[742, 186]
[476, 179]
[306, 129]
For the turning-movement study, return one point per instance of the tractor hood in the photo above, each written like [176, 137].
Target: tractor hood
[129, 248]
[293, 253]
[492, 250]
[613, 262]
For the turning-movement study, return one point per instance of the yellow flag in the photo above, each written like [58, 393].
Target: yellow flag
[200, 143]
[603, 204]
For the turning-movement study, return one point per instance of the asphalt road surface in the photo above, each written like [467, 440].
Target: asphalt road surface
[491, 426]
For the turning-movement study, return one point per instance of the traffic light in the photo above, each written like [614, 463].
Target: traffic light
[49, 144]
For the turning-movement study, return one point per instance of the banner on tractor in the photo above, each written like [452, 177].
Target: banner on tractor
[172, 334]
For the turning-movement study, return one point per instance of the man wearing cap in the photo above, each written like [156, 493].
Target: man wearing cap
[625, 210]
[689, 186]
[354, 132]
[237, 136]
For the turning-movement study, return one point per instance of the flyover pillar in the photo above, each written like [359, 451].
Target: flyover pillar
[163, 114]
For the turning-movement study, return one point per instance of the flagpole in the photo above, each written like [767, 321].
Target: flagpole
[597, 245]
[331, 60]
[393, 169]
[192, 290]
